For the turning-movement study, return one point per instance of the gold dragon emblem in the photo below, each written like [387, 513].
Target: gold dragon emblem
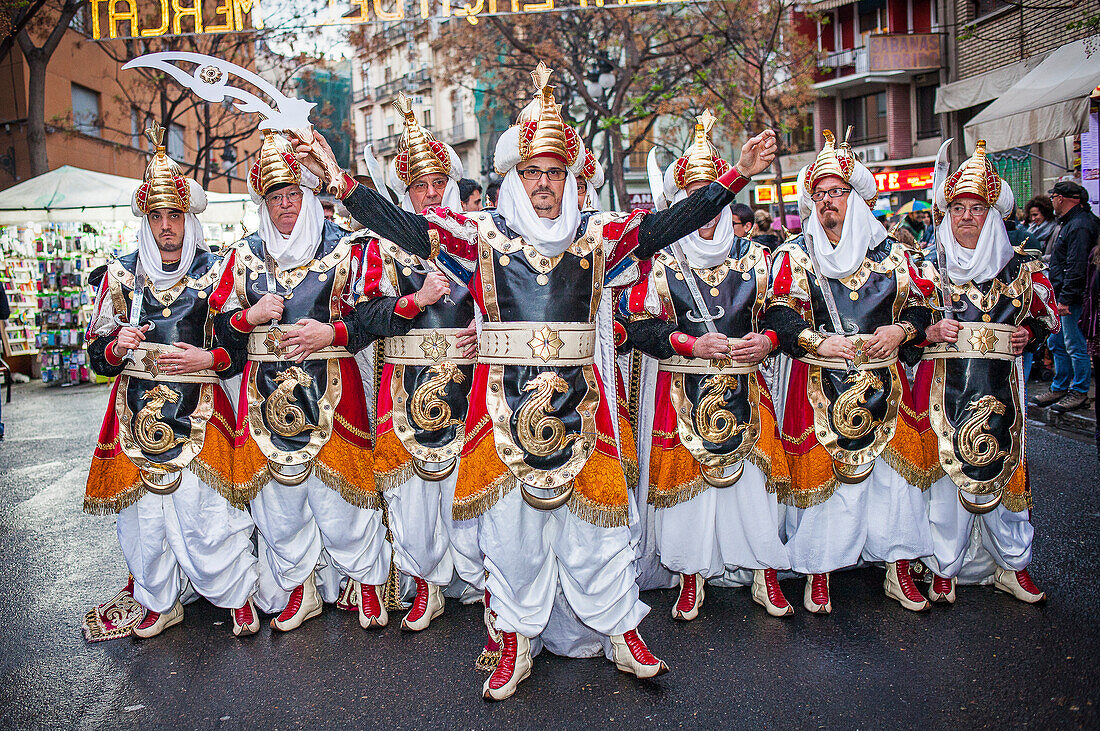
[153, 435]
[285, 418]
[429, 411]
[713, 421]
[851, 418]
[533, 420]
[976, 445]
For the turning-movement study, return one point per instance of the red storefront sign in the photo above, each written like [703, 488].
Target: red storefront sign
[894, 181]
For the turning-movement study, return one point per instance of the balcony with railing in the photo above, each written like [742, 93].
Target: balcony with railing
[387, 144]
[847, 61]
[461, 132]
[410, 83]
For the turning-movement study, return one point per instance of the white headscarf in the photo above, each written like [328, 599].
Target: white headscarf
[704, 254]
[292, 251]
[149, 252]
[983, 262]
[861, 230]
[986, 260]
[549, 236]
[451, 198]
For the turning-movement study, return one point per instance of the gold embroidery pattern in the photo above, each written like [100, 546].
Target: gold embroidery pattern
[286, 419]
[713, 421]
[153, 435]
[977, 446]
[533, 417]
[429, 410]
[851, 419]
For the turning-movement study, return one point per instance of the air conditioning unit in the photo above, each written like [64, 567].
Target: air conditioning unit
[872, 154]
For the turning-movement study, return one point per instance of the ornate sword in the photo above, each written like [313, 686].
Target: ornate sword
[827, 295]
[135, 303]
[210, 81]
[947, 299]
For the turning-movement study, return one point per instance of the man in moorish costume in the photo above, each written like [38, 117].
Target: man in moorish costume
[164, 459]
[422, 398]
[969, 388]
[714, 462]
[848, 428]
[540, 467]
[305, 460]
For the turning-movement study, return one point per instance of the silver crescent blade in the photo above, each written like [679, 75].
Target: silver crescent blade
[210, 81]
[656, 180]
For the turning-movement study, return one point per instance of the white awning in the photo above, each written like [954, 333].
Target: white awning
[983, 87]
[74, 195]
[1051, 102]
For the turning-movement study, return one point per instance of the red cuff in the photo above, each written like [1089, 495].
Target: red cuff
[350, 184]
[619, 334]
[682, 343]
[771, 335]
[109, 354]
[340, 339]
[240, 322]
[406, 307]
[733, 180]
[221, 359]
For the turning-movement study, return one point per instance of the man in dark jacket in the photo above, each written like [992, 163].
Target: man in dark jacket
[1068, 266]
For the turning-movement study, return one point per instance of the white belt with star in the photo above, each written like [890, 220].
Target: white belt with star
[681, 364]
[425, 347]
[537, 343]
[146, 365]
[977, 340]
[861, 362]
[264, 346]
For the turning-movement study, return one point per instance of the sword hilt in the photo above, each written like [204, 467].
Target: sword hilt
[332, 171]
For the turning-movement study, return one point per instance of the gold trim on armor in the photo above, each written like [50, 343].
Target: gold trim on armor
[406, 432]
[537, 343]
[320, 431]
[828, 438]
[976, 440]
[713, 422]
[512, 454]
[132, 444]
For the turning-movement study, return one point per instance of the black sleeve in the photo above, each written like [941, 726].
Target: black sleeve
[651, 336]
[380, 215]
[920, 318]
[373, 320]
[787, 324]
[233, 340]
[1078, 243]
[662, 228]
[97, 356]
[5, 308]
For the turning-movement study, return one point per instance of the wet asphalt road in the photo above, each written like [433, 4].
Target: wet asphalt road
[988, 661]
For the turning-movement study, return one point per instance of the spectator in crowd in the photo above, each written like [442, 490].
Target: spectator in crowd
[914, 224]
[743, 219]
[764, 233]
[491, 195]
[329, 208]
[905, 237]
[1090, 324]
[1040, 222]
[5, 313]
[470, 193]
[1077, 233]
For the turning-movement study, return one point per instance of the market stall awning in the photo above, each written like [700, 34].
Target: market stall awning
[1050, 102]
[985, 87]
[73, 195]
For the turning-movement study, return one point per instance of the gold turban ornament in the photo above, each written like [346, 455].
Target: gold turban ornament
[419, 153]
[701, 162]
[542, 129]
[977, 177]
[164, 185]
[275, 165]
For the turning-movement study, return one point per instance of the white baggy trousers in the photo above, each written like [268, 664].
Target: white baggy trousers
[298, 522]
[723, 529]
[530, 553]
[883, 518]
[195, 533]
[427, 542]
[1005, 535]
